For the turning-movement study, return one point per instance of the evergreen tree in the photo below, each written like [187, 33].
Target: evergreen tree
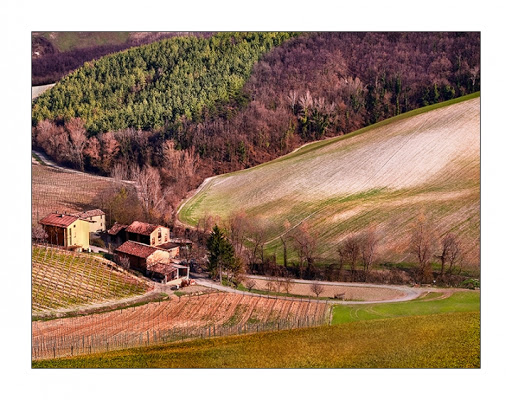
[221, 255]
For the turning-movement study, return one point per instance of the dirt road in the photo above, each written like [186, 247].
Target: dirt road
[404, 293]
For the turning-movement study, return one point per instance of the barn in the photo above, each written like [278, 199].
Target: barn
[153, 262]
[66, 230]
[141, 255]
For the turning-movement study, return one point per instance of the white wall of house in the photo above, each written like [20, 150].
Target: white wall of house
[97, 223]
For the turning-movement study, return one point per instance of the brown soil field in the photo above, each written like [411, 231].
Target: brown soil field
[189, 316]
[427, 163]
[55, 190]
[351, 293]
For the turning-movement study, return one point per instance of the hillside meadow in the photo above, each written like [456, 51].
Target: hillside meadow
[423, 162]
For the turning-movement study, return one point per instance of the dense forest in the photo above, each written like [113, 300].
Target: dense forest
[49, 63]
[149, 86]
[190, 107]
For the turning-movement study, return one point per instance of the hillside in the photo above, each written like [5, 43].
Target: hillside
[201, 105]
[55, 54]
[386, 175]
[147, 86]
[431, 341]
[63, 280]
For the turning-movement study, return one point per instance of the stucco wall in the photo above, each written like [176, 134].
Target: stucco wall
[77, 234]
[164, 237]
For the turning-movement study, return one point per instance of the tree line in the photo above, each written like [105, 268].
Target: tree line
[238, 247]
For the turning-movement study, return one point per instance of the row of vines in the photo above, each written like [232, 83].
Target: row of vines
[62, 279]
[179, 318]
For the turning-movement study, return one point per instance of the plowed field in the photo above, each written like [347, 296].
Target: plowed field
[54, 190]
[423, 163]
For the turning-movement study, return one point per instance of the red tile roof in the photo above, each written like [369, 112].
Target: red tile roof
[60, 220]
[136, 249]
[161, 268]
[142, 228]
[168, 245]
[116, 228]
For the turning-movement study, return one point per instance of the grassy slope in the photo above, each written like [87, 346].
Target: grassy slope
[431, 304]
[426, 160]
[433, 332]
[437, 341]
[66, 41]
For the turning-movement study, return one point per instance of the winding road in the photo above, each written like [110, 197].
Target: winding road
[410, 293]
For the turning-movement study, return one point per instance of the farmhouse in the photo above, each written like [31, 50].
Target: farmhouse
[96, 219]
[66, 230]
[152, 261]
[141, 255]
[147, 233]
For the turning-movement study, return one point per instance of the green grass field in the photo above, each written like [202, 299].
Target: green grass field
[426, 161]
[435, 341]
[429, 305]
[66, 41]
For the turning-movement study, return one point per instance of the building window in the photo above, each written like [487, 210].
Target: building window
[153, 240]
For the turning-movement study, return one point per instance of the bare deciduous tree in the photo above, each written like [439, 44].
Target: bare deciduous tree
[317, 288]
[120, 172]
[238, 230]
[369, 242]
[39, 234]
[149, 186]
[256, 233]
[422, 247]
[451, 252]
[250, 283]
[351, 248]
[179, 162]
[305, 245]
[287, 282]
[78, 140]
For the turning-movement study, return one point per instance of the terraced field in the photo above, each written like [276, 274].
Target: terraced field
[62, 279]
[216, 314]
[426, 161]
